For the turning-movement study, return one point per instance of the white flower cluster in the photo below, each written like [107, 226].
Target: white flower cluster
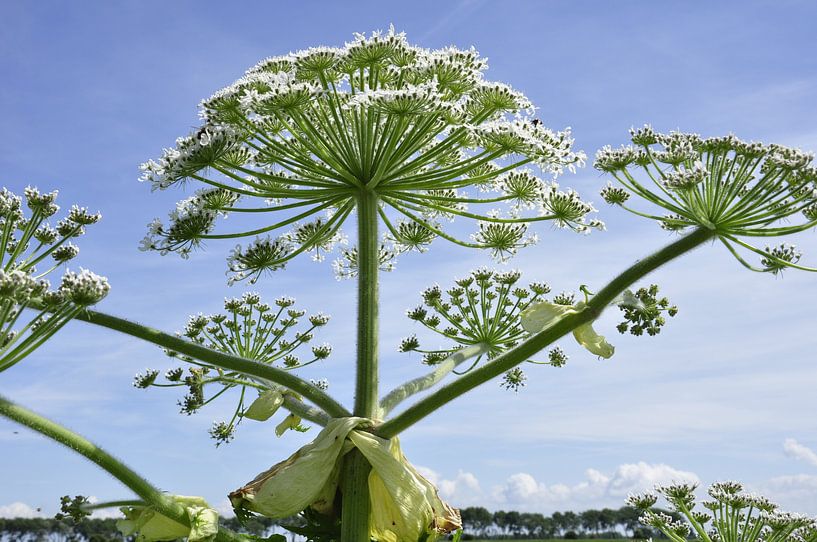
[409, 101]
[495, 96]
[263, 255]
[730, 187]
[84, 288]
[316, 238]
[346, 267]
[192, 219]
[686, 178]
[20, 290]
[503, 240]
[552, 151]
[421, 129]
[191, 154]
[568, 210]
[20, 287]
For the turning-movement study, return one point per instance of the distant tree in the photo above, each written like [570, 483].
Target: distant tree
[557, 518]
[477, 520]
[590, 520]
[513, 522]
[608, 519]
[535, 525]
[627, 519]
[571, 520]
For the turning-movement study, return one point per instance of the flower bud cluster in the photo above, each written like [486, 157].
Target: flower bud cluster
[503, 240]
[780, 257]
[644, 311]
[346, 266]
[514, 379]
[481, 309]
[74, 508]
[248, 328]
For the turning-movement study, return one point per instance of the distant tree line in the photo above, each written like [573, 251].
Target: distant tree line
[100, 530]
[477, 521]
[607, 523]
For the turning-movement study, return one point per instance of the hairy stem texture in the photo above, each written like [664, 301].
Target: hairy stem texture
[355, 518]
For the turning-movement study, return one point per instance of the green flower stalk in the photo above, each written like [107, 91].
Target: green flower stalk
[736, 189]
[26, 241]
[302, 135]
[252, 330]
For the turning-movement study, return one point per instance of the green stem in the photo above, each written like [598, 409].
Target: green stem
[422, 383]
[541, 340]
[367, 309]
[151, 495]
[218, 359]
[355, 518]
[112, 504]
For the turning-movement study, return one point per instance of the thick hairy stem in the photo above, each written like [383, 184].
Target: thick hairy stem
[422, 383]
[366, 390]
[144, 489]
[547, 336]
[299, 408]
[355, 518]
[218, 359]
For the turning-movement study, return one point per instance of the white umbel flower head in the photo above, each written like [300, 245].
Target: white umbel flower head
[422, 132]
[735, 189]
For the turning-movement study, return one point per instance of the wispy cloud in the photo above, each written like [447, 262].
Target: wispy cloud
[455, 15]
[798, 451]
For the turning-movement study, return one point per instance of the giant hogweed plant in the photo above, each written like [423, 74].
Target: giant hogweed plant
[393, 142]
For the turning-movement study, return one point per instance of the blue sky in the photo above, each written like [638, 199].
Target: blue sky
[91, 90]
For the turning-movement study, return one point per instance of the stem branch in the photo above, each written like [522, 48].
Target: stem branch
[144, 489]
[541, 340]
[218, 359]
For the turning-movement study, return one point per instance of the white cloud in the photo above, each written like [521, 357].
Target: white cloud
[19, 510]
[794, 492]
[521, 491]
[225, 509]
[462, 490]
[798, 451]
[104, 513]
[465, 483]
